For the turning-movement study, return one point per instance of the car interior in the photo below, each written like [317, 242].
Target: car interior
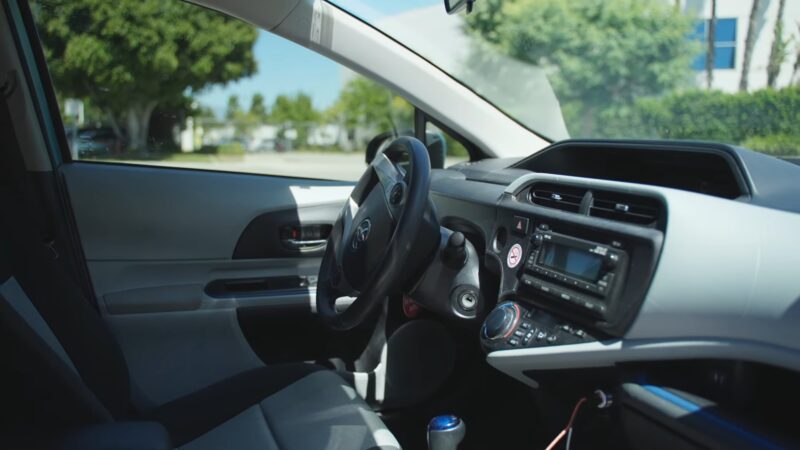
[597, 293]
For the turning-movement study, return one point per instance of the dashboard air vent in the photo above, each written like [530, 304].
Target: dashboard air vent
[629, 208]
[565, 198]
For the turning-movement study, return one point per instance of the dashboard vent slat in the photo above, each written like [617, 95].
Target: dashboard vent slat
[556, 196]
[626, 207]
[629, 208]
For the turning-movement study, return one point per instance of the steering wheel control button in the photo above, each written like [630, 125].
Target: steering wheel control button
[520, 225]
[361, 234]
[514, 256]
[396, 194]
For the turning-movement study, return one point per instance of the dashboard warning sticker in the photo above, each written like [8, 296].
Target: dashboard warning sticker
[514, 256]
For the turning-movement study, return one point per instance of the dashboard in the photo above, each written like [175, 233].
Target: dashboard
[608, 252]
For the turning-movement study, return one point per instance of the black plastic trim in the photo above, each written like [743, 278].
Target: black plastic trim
[261, 238]
[726, 152]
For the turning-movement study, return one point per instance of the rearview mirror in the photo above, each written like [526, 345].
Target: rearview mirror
[454, 6]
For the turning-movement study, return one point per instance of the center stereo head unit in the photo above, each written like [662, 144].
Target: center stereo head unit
[577, 272]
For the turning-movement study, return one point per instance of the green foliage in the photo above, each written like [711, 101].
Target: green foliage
[778, 144]
[230, 149]
[764, 120]
[233, 110]
[296, 108]
[258, 108]
[708, 115]
[598, 52]
[366, 103]
[127, 56]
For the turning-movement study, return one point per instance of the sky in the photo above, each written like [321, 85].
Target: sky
[288, 68]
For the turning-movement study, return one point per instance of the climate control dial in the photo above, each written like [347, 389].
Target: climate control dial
[502, 321]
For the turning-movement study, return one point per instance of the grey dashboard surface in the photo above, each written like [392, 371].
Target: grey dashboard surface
[726, 285]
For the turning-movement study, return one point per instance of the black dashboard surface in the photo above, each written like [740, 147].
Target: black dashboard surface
[709, 168]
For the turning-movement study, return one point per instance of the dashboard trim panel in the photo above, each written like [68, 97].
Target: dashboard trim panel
[726, 285]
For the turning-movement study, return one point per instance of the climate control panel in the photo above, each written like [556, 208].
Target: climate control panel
[513, 325]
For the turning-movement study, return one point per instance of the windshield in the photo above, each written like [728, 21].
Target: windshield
[678, 69]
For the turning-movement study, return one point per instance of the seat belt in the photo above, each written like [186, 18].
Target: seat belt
[15, 174]
[14, 170]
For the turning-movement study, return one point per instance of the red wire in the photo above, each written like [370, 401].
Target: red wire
[563, 432]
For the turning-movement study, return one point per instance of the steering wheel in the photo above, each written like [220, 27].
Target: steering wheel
[376, 234]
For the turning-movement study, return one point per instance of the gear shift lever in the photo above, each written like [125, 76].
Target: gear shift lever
[445, 432]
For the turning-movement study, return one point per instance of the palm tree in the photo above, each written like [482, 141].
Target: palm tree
[710, 35]
[778, 53]
[749, 42]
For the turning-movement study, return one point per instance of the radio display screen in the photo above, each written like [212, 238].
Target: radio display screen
[572, 261]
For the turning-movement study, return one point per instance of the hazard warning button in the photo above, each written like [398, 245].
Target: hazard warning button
[520, 225]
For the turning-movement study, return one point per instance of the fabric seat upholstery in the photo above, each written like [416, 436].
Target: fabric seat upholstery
[285, 406]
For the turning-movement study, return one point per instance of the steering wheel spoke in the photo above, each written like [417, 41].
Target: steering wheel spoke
[392, 180]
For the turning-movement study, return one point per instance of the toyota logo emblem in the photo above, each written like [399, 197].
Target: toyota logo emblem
[362, 233]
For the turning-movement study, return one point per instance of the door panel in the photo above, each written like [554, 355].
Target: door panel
[145, 213]
[160, 246]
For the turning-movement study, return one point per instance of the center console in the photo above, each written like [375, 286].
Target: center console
[565, 277]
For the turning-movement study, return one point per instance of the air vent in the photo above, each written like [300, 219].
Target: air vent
[629, 208]
[565, 198]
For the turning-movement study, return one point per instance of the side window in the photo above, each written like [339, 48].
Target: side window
[454, 150]
[173, 84]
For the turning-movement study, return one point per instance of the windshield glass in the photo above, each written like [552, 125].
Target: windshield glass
[679, 69]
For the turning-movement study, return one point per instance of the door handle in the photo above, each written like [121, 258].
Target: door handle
[297, 244]
[305, 237]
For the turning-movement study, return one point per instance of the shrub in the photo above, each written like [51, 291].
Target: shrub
[231, 148]
[710, 115]
[777, 144]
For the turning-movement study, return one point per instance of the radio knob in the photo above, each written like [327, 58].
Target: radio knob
[500, 323]
[611, 260]
[538, 238]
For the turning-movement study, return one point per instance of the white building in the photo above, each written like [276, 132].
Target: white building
[733, 17]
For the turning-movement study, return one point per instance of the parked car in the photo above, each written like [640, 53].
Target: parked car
[98, 142]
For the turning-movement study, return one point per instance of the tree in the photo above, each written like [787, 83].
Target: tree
[129, 56]
[749, 43]
[233, 110]
[368, 104]
[779, 50]
[258, 109]
[296, 112]
[297, 108]
[711, 37]
[598, 52]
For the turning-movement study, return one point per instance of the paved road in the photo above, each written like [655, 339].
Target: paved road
[334, 166]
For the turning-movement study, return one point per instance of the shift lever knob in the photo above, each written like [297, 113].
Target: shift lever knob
[445, 432]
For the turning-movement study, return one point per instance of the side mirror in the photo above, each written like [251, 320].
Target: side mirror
[435, 142]
[454, 6]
